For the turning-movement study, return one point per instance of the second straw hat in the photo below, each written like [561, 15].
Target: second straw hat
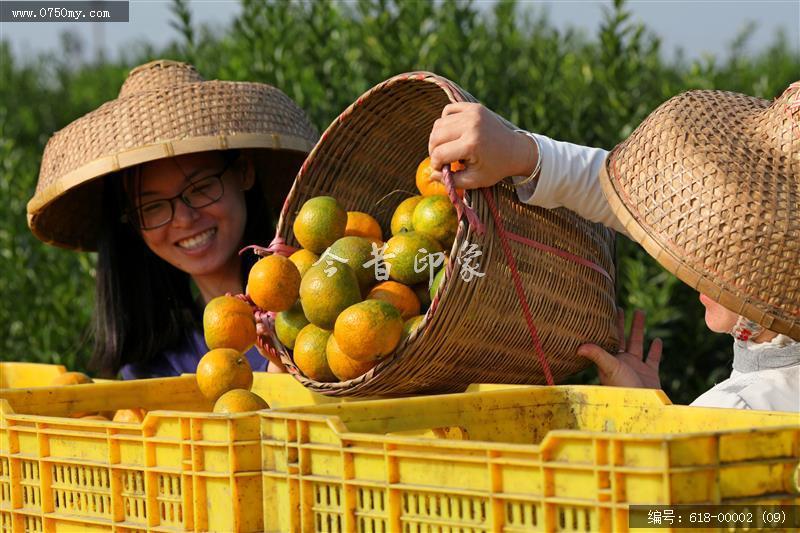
[709, 185]
[165, 108]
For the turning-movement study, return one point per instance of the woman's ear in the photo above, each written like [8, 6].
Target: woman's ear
[248, 173]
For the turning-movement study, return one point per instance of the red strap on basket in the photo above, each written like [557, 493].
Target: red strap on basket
[461, 205]
[560, 253]
[512, 264]
[265, 317]
[277, 246]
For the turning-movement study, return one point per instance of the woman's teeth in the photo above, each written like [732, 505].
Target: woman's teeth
[197, 240]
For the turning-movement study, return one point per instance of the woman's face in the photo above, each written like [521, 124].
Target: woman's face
[199, 241]
[718, 318]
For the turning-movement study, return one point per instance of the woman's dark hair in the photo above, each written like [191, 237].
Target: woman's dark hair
[144, 305]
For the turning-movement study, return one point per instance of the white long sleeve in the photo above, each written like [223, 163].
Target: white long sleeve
[765, 376]
[569, 178]
[773, 389]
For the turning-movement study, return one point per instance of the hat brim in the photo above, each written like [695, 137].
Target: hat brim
[73, 220]
[164, 109]
[659, 248]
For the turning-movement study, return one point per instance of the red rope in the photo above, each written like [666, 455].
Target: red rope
[277, 246]
[264, 317]
[560, 253]
[475, 222]
[523, 300]
[461, 205]
[512, 264]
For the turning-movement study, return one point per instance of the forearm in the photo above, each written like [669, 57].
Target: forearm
[569, 178]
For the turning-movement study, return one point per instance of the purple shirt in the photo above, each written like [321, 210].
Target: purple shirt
[183, 361]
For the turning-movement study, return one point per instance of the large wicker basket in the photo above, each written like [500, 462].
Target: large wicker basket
[474, 331]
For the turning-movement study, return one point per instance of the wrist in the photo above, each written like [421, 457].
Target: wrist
[527, 154]
[528, 157]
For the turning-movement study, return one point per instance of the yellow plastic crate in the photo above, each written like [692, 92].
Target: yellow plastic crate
[566, 458]
[14, 375]
[17, 375]
[182, 469]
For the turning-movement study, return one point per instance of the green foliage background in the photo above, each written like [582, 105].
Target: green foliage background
[585, 89]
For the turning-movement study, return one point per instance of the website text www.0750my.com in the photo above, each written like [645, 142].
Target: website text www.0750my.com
[61, 13]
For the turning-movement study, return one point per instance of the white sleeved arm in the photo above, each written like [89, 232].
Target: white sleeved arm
[774, 389]
[569, 178]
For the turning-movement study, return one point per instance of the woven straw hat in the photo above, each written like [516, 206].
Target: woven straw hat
[164, 109]
[709, 185]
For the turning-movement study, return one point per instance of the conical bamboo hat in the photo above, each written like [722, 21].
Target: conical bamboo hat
[164, 108]
[709, 185]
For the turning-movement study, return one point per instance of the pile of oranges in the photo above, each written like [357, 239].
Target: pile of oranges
[224, 376]
[347, 298]
[333, 307]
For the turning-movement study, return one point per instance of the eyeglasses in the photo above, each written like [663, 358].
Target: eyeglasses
[200, 193]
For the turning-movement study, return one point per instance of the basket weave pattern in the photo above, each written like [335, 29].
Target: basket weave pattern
[704, 180]
[475, 331]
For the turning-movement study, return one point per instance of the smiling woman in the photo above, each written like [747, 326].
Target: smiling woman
[167, 227]
[199, 230]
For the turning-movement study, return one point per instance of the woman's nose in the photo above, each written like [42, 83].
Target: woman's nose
[183, 215]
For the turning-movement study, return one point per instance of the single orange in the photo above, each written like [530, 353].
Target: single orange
[303, 259]
[228, 322]
[401, 296]
[239, 401]
[71, 378]
[135, 415]
[362, 225]
[436, 216]
[289, 323]
[342, 365]
[222, 370]
[274, 283]
[408, 256]
[403, 215]
[324, 295]
[356, 252]
[309, 353]
[411, 325]
[319, 223]
[426, 185]
[368, 330]
[437, 280]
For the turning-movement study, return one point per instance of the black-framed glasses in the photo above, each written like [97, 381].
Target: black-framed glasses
[199, 193]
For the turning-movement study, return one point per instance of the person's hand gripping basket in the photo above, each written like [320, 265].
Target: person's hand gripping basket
[523, 286]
